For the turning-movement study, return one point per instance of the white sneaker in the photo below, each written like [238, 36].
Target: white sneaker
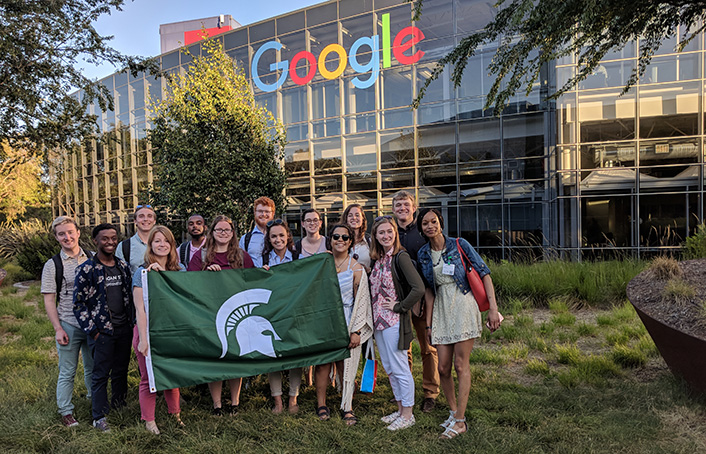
[401, 423]
[450, 421]
[389, 419]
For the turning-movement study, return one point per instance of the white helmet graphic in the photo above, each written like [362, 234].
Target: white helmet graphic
[249, 329]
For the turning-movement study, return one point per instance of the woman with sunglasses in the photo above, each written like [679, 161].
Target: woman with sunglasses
[161, 255]
[278, 249]
[354, 217]
[395, 286]
[355, 295]
[222, 252]
[313, 242]
[453, 317]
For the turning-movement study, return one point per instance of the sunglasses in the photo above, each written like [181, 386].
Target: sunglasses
[275, 222]
[338, 236]
[143, 206]
[380, 218]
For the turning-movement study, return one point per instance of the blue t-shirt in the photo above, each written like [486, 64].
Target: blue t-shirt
[137, 277]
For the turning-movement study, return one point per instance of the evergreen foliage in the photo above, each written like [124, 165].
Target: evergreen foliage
[216, 149]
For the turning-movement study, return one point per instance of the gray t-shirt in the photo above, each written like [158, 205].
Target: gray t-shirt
[65, 295]
[114, 295]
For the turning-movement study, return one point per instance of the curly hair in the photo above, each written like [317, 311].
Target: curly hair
[339, 226]
[268, 245]
[360, 233]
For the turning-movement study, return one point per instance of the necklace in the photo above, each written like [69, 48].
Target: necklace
[339, 265]
[441, 255]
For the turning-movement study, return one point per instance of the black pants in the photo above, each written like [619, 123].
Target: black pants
[111, 357]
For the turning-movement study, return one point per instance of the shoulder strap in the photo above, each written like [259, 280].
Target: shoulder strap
[298, 247]
[248, 237]
[295, 254]
[368, 239]
[182, 253]
[59, 270]
[266, 259]
[125, 245]
[464, 259]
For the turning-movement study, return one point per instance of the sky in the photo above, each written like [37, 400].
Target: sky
[136, 27]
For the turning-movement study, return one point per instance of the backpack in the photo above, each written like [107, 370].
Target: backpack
[248, 237]
[184, 250]
[125, 245]
[59, 269]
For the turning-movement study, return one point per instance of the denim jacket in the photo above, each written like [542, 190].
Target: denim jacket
[452, 256]
[90, 304]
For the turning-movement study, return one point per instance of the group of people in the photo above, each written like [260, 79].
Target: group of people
[403, 276]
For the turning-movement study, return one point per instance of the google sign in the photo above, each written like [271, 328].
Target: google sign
[399, 45]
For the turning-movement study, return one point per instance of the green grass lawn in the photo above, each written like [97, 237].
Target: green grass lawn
[553, 379]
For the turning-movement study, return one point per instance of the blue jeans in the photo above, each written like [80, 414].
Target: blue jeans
[111, 357]
[68, 362]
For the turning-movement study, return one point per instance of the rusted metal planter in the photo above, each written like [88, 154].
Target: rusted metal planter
[683, 353]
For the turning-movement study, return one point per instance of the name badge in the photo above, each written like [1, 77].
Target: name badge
[448, 269]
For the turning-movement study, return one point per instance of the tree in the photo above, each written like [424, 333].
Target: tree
[216, 149]
[20, 182]
[535, 32]
[41, 42]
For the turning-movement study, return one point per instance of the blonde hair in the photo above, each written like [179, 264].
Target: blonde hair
[61, 220]
[172, 258]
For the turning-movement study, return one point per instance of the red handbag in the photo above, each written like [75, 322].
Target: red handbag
[474, 281]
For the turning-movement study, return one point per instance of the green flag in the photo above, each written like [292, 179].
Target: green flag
[205, 326]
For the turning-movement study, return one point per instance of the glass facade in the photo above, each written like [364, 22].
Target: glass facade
[627, 170]
[592, 172]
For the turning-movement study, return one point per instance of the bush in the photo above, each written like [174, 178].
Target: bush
[34, 252]
[678, 291]
[666, 268]
[13, 235]
[695, 246]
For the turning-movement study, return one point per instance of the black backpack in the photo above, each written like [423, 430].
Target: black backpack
[59, 269]
[125, 245]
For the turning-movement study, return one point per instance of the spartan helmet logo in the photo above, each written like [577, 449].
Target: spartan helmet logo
[249, 329]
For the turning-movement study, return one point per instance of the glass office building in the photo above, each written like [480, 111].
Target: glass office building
[589, 174]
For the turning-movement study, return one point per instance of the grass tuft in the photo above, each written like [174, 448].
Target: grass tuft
[568, 354]
[628, 357]
[537, 366]
[678, 291]
[666, 268]
[564, 319]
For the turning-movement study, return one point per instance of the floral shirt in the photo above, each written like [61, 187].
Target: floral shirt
[90, 305]
[381, 287]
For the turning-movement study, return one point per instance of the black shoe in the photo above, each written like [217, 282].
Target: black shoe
[217, 411]
[428, 405]
[234, 410]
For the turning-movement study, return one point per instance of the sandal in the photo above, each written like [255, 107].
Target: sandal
[323, 413]
[450, 432]
[349, 418]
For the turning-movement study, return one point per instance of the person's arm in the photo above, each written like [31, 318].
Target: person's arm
[82, 311]
[493, 314]
[50, 305]
[142, 345]
[410, 274]
[428, 309]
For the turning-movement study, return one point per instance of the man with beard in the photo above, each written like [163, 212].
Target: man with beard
[253, 242]
[105, 310]
[196, 226]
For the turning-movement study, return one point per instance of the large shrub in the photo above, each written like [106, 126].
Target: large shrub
[34, 252]
[695, 246]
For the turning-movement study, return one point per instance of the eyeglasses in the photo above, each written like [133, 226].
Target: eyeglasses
[222, 230]
[263, 211]
[275, 222]
[380, 218]
[338, 236]
[312, 221]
